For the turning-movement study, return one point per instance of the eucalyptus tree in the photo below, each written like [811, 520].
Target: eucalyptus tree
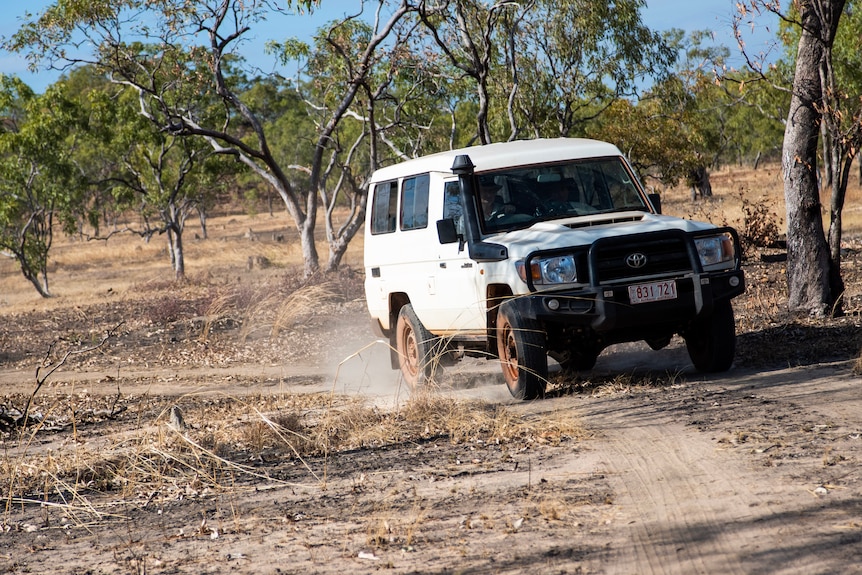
[38, 183]
[469, 33]
[721, 121]
[158, 177]
[542, 67]
[841, 125]
[577, 57]
[129, 168]
[669, 132]
[94, 158]
[654, 133]
[678, 128]
[753, 117]
[814, 277]
[381, 115]
[196, 62]
[818, 102]
[289, 128]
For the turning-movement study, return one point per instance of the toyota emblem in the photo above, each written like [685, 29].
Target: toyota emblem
[636, 260]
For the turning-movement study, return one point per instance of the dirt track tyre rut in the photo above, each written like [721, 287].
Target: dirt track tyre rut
[679, 527]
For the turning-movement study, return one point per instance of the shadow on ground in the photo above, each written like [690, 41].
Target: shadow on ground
[795, 345]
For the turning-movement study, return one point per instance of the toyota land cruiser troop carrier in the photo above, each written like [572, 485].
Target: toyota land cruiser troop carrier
[526, 249]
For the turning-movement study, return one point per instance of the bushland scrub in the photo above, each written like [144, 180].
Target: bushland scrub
[248, 415]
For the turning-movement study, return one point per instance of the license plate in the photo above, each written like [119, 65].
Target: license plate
[654, 291]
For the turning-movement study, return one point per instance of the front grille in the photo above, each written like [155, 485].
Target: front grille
[664, 254]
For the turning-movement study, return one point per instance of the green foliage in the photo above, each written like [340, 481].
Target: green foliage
[576, 57]
[657, 144]
[847, 50]
[754, 124]
[689, 120]
[38, 179]
[288, 50]
[466, 71]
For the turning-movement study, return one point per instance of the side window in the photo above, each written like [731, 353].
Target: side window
[414, 203]
[452, 205]
[384, 208]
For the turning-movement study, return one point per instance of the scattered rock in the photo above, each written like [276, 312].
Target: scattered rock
[176, 420]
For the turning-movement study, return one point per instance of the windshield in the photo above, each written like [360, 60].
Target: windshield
[518, 198]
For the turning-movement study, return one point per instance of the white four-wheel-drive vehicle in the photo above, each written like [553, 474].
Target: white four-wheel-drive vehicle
[526, 249]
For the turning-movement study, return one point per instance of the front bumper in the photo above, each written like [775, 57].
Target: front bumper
[606, 309]
[602, 303]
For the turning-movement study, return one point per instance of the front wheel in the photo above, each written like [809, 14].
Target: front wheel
[415, 346]
[522, 352]
[711, 342]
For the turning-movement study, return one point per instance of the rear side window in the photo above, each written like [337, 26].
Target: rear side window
[384, 208]
[414, 203]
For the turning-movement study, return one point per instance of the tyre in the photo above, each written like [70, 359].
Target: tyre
[522, 351]
[711, 342]
[415, 346]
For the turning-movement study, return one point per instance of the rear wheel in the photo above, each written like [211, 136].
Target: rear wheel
[522, 352]
[415, 346]
[711, 342]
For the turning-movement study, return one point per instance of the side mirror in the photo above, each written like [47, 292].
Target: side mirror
[446, 231]
[655, 200]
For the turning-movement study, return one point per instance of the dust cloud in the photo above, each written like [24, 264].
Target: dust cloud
[366, 371]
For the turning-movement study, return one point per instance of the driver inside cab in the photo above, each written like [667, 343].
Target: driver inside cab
[493, 205]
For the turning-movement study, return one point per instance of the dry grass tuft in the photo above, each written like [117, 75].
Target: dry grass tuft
[553, 508]
[300, 303]
[267, 307]
[563, 384]
[427, 416]
[222, 441]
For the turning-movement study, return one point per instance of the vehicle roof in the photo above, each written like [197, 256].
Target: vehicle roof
[502, 155]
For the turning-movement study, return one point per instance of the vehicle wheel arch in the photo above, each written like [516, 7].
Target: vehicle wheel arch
[397, 300]
[495, 295]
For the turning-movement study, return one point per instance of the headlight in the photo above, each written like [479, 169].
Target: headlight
[716, 250]
[556, 270]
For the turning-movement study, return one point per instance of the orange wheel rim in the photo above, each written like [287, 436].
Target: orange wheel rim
[411, 352]
[509, 354]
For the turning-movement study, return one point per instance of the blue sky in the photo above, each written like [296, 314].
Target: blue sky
[715, 15]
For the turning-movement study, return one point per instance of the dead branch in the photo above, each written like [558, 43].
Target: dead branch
[50, 368]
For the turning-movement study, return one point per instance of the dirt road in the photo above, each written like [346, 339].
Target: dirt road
[750, 472]
[755, 473]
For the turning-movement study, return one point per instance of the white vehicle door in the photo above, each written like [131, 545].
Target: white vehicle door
[458, 284]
